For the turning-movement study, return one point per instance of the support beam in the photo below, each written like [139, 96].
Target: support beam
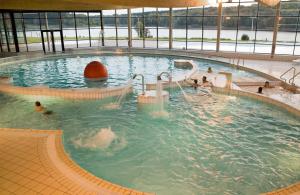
[89, 27]
[1, 41]
[256, 24]
[14, 31]
[53, 41]
[144, 30]
[202, 27]
[170, 28]
[24, 32]
[43, 41]
[237, 27]
[102, 28]
[61, 33]
[129, 28]
[47, 28]
[75, 23]
[116, 27]
[186, 28]
[295, 41]
[275, 30]
[219, 23]
[5, 31]
[157, 24]
[42, 34]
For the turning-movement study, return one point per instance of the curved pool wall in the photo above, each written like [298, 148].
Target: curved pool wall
[271, 102]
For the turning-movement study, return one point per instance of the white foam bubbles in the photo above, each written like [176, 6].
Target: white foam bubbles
[99, 140]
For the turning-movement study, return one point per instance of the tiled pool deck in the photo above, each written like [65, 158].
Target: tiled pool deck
[34, 162]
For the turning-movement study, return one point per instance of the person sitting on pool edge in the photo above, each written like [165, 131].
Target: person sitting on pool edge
[40, 108]
[209, 70]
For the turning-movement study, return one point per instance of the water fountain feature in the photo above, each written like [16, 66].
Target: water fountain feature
[117, 104]
[159, 98]
[186, 97]
[143, 82]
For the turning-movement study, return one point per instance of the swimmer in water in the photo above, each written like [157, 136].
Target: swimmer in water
[209, 70]
[195, 84]
[267, 85]
[205, 82]
[40, 108]
[260, 89]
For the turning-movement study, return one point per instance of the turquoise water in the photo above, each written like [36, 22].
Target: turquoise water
[67, 72]
[217, 145]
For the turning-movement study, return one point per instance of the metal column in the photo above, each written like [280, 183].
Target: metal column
[5, 31]
[170, 28]
[275, 30]
[219, 23]
[129, 28]
[102, 27]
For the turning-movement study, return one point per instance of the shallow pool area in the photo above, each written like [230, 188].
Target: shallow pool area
[67, 72]
[210, 145]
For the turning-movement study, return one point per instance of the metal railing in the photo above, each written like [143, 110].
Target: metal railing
[292, 68]
[238, 61]
[293, 78]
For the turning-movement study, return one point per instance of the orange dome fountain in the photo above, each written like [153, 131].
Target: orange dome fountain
[95, 71]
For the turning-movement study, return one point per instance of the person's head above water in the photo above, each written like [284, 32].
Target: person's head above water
[204, 79]
[209, 70]
[267, 84]
[195, 81]
[37, 103]
[259, 90]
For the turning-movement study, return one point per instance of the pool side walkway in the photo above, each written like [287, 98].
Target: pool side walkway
[34, 162]
[290, 190]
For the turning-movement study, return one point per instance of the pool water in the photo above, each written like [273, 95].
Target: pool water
[211, 145]
[67, 72]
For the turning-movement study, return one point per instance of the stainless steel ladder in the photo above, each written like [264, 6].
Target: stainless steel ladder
[292, 79]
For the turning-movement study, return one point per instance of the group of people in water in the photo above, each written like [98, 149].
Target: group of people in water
[205, 82]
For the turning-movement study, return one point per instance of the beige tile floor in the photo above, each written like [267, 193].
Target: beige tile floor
[34, 162]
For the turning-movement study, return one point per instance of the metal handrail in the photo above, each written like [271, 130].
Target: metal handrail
[293, 78]
[292, 68]
[238, 61]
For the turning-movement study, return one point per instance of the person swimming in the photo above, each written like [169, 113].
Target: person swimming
[209, 70]
[260, 89]
[195, 84]
[267, 85]
[40, 108]
[205, 82]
